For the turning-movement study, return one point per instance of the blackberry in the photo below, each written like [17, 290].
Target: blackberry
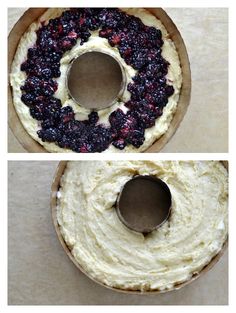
[65, 142]
[44, 39]
[37, 112]
[139, 58]
[66, 114]
[66, 43]
[47, 73]
[136, 138]
[93, 118]
[134, 23]
[100, 138]
[32, 83]
[55, 69]
[107, 18]
[136, 90]
[24, 66]
[125, 52]
[153, 33]
[50, 134]
[47, 108]
[67, 15]
[55, 102]
[48, 87]
[67, 26]
[84, 37]
[33, 52]
[28, 99]
[49, 123]
[130, 104]
[114, 40]
[53, 56]
[116, 118]
[105, 33]
[119, 143]
[169, 90]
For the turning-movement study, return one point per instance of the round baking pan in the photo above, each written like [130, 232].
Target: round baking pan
[31, 15]
[54, 189]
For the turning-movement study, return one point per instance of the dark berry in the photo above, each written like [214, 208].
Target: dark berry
[28, 98]
[47, 73]
[93, 118]
[66, 114]
[119, 144]
[50, 134]
[169, 90]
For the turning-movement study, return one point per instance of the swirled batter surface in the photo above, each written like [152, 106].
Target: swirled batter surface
[116, 256]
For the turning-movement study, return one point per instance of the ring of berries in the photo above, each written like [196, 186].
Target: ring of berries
[140, 46]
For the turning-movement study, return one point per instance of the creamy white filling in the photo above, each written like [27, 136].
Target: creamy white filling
[18, 77]
[119, 257]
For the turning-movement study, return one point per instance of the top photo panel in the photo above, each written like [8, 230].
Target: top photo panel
[118, 80]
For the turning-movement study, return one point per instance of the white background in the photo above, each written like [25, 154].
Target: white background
[4, 156]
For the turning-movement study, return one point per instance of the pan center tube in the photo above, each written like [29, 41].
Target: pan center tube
[95, 80]
[144, 203]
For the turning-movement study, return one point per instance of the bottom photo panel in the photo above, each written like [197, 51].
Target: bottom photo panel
[117, 232]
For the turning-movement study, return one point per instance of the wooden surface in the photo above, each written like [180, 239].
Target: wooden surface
[39, 271]
[32, 14]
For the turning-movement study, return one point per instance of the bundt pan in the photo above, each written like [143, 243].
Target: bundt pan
[33, 14]
[54, 189]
